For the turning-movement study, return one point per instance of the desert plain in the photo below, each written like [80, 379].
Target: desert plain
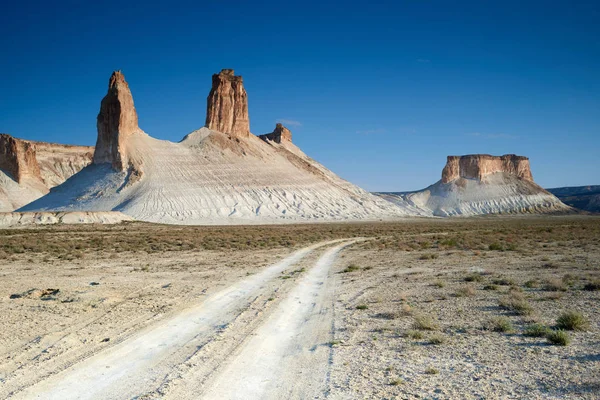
[488, 307]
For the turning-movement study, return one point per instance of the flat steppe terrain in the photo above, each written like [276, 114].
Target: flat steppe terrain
[423, 308]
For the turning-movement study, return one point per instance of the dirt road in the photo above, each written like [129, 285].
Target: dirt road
[143, 364]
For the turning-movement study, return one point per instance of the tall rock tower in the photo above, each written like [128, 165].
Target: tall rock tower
[227, 105]
[116, 122]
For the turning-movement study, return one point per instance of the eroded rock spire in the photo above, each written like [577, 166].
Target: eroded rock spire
[116, 122]
[227, 105]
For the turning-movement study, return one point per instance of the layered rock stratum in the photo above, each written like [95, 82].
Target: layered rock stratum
[478, 166]
[227, 105]
[480, 184]
[29, 169]
[218, 174]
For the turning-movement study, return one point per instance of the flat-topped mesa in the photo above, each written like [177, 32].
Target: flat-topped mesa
[478, 166]
[227, 105]
[17, 158]
[280, 133]
[116, 122]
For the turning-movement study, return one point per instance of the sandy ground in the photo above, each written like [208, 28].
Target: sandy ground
[410, 313]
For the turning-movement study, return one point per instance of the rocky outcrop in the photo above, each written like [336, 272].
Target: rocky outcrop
[227, 105]
[17, 158]
[29, 169]
[116, 122]
[58, 162]
[280, 133]
[481, 184]
[478, 166]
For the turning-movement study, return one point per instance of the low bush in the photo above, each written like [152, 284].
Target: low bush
[559, 337]
[537, 330]
[424, 323]
[572, 321]
[500, 324]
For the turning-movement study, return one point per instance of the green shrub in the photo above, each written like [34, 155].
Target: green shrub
[559, 337]
[531, 284]
[474, 277]
[572, 321]
[491, 286]
[537, 330]
[555, 285]
[431, 371]
[413, 334]
[496, 246]
[500, 324]
[439, 283]
[503, 282]
[516, 303]
[362, 307]
[437, 339]
[424, 323]
[351, 268]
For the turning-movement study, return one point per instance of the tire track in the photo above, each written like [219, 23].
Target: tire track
[291, 346]
[139, 364]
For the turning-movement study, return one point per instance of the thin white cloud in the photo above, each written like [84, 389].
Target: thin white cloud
[288, 122]
[492, 135]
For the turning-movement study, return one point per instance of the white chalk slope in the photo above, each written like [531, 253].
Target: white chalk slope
[499, 193]
[211, 177]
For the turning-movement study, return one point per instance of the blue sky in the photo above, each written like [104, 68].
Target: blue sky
[379, 92]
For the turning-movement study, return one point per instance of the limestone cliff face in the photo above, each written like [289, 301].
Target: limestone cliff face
[29, 169]
[280, 133]
[116, 122]
[227, 105]
[478, 166]
[17, 158]
[58, 162]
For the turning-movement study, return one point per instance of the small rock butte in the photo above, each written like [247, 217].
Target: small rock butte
[280, 133]
[478, 166]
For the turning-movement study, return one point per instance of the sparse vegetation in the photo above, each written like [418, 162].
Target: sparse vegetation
[555, 285]
[437, 339]
[414, 334]
[572, 321]
[500, 324]
[431, 371]
[558, 337]
[424, 323]
[439, 283]
[466, 291]
[536, 330]
[351, 268]
[516, 303]
[474, 277]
